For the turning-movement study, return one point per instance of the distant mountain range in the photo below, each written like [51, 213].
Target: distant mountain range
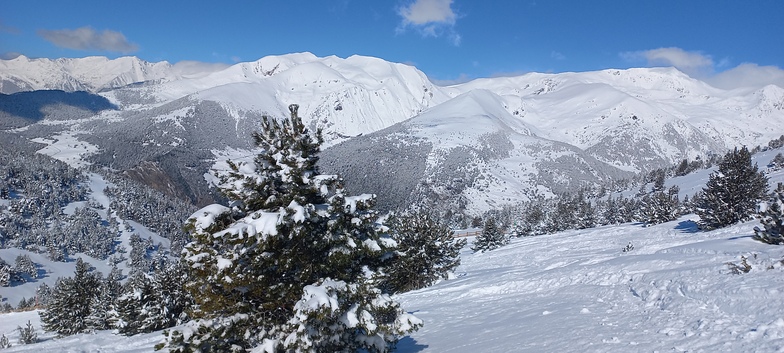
[389, 129]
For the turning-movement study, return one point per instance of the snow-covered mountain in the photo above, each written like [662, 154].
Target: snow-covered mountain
[516, 136]
[90, 74]
[466, 153]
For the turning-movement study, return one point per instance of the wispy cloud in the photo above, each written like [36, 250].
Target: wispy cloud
[693, 63]
[87, 38]
[462, 78]
[702, 66]
[432, 18]
[8, 29]
[9, 55]
[748, 75]
[557, 55]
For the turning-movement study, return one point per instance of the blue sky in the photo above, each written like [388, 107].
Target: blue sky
[447, 39]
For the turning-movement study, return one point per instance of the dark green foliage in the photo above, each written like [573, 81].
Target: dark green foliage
[246, 279]
[491, 237]
[71, 301]
[426, 252]
[772, 219]
[153, 302]
[25, 268]
[732, 192]
[660, 206]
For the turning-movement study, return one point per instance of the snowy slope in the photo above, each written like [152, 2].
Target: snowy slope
[575, 291]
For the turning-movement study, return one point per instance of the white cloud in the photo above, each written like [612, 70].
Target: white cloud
[422, 12]
[87, 38]
[748, 75]
[703, 67]
[432, 18]
[691, 62]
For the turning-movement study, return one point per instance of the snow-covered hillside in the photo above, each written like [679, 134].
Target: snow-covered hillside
[177, 126]
[676, 290]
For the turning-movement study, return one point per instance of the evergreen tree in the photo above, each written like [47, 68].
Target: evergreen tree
[27, 334]
[5, 274]
[732, 192]
[70, 302]
[25, 267]
[254, 269]
[153, 301]
[772, 219]
[777, 162]
[102, 307]
[426, 252]
[491, 237]
[661, 206]
[43, 293]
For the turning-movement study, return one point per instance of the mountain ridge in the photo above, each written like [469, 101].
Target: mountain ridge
[627, 121]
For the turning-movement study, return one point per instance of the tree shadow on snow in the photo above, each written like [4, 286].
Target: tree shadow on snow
[687, 226]
[409, 345]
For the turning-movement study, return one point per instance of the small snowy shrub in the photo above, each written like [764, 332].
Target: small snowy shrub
[628, 247]
[743, 267]
[4, 343]
[27, 334]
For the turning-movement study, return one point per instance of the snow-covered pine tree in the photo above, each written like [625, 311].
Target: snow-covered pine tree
[426, 252]
[491, 237]
[43, 293]
[256, 270]
[5, 274]
[102, 308]
[24, 266]
[772, 219]
[70, 302]
[27, 334]
[732, 192]
[153, 301]
[4, 343]
[661, 206]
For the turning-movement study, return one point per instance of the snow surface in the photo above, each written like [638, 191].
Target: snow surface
[574, 291]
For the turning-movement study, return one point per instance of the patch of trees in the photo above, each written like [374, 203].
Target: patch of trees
[157, 211]
[88, 301]
[35, 189]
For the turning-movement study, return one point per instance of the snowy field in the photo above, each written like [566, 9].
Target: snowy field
[574, 291]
